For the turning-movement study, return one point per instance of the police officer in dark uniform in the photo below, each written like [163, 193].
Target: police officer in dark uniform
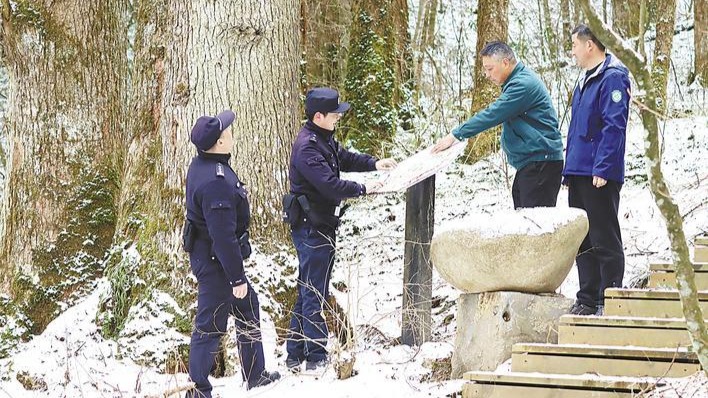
[216, 237]
[313, 209]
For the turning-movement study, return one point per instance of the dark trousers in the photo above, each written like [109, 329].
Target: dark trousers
[537, 184]
[307, 335]
[214, 305]
[600, 259]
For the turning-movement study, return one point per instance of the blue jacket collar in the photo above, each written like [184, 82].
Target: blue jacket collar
[611, 62]
[219, 157]
[327, 134]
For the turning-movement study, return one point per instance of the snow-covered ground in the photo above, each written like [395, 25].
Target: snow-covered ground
[71, 359]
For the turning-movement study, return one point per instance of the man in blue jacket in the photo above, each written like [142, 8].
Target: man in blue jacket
[530, 136]
[216, 237]
[594, 166]
[313, 211]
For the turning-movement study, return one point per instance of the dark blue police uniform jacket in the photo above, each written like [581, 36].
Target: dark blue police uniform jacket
[315, 166]
[217, 206]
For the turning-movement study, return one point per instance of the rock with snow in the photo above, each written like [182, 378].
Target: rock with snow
[489, 324]
[525, 250]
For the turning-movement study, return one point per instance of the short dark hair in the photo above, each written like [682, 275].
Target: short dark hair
[498, 49]
[584, 33]
[311, 115]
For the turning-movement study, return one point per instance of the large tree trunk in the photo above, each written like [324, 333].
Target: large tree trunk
[492, 24]
[700, 39]
[251, 66]
[191, 59]
[666, 17]
[685, 278]
[67, 67]
[324, 29]
[378, 73]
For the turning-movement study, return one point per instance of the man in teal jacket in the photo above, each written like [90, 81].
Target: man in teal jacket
[530, 136]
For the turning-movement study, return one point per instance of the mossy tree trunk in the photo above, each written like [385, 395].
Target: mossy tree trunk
[625, 17]
[324, 30]
[630, 18]
[492, 24]
[67, 67]
[149, 209]
[685, 278]
[700, 41]
[378, 74]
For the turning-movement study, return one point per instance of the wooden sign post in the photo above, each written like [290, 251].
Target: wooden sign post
[417, 175]
[418, 270]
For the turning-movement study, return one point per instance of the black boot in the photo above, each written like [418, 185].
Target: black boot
[293, 364]
[582, 309]
[265, 379]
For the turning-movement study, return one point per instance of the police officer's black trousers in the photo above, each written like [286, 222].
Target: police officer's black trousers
[600, 259]
[215, 303]
[307, 335]
[537, 184]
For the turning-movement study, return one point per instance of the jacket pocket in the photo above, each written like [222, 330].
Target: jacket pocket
[220, 205]
[313, 161]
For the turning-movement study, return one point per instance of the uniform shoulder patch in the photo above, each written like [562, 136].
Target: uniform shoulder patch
[219, 170]
[313, 138]
[616, 96]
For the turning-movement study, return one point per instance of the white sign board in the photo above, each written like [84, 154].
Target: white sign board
[419, 167]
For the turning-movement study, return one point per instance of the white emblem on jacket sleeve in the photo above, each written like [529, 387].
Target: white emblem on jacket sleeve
[616, 96]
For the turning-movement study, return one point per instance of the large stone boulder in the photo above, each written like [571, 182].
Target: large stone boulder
[489, 324]
[525, 250]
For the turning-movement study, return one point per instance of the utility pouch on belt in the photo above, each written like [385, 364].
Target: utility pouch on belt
[319, 217]
[189, 233]
[291, 209]
[245, 244]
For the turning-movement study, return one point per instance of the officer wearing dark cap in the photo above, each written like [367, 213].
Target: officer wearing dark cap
[216, 237]
[313, 208]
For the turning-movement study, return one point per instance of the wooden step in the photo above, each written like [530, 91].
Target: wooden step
[648, 303]
[604, 360]
[623, 331]
[700, 254]
[701, 241]
[537, 385]
[664, 276]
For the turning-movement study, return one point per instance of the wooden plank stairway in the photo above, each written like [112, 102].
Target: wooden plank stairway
[640, 339]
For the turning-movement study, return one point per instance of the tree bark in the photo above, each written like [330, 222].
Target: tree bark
[424, 38]
[192, 59]
[666, 17]
[67, 67]
[549, 30]
[685, 278]
[567, 25]
[325, 27]
[625, 17]
[378, 74]
[700, 41]
[250, 66]
[492, 24]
